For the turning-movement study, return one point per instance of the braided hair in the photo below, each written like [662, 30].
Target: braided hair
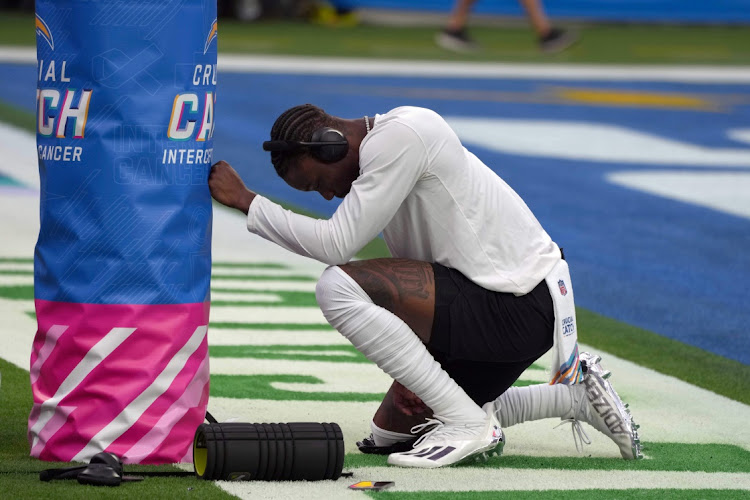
[296, 124]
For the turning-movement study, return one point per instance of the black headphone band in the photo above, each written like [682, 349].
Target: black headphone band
[327, 145]
[292, 145]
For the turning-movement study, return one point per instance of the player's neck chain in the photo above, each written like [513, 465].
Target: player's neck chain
[367, 125]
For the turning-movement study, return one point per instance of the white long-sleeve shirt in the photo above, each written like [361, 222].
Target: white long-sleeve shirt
[433, 201]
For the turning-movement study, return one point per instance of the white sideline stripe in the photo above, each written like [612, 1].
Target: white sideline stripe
[314, 352]
[218, 272]
[133, 411]
[740, 135]
[220, 336]
[725, 191]
[259, 314]
[18, 55]
[245, 297]
[91, 360]
[243, 366]
[491, 479]
[336, 377]
[484, 479]
[15, 266]
[17, 331]
[10, 280]
[236, 63]
[291, 286]
[19, 160]
[249, 262]
[239, 336]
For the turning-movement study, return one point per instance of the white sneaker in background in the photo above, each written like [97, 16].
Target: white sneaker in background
[456, 41]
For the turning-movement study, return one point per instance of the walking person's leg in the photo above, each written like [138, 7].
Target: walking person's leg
[455, 36]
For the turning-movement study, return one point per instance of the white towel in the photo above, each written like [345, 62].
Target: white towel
[565, 366]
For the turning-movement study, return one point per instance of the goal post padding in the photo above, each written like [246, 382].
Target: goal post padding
[122, 265]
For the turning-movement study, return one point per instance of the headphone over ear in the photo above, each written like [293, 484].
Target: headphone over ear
[327, 145]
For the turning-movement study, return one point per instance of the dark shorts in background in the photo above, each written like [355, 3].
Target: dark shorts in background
[484, 339]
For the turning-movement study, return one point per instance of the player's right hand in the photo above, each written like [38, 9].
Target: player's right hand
[227, 187]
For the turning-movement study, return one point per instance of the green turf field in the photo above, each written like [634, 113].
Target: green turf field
[673, 362]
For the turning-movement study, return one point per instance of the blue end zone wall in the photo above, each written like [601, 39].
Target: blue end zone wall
[672, 267]
[693, 11]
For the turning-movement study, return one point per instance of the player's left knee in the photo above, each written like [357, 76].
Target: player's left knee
[325, 289]
[340, 299]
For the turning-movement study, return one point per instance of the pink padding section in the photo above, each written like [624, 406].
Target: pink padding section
[164, 417]
[108, 357]
[40, 354]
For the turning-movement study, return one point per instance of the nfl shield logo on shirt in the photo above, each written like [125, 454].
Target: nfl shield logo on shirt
[563, 290]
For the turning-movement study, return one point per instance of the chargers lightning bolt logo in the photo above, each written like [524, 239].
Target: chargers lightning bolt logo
[43, 30]
[211, 35]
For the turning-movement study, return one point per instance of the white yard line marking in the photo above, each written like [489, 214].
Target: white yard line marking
[245, 297]
[725, 191]
[220, 336]
[590, 141]
[223, 272]
[15, 266]
[17, 331]
[258, 314]
[11, 280]
[336, 377]
[261, 285]
[740, 135]
[19, 159]
[463, 479]
[237, 63]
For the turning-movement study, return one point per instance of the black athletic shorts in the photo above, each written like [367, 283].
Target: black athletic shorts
[485, 339]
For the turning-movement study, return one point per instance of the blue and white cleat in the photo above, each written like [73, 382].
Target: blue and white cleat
[603, 409]
[449, 443]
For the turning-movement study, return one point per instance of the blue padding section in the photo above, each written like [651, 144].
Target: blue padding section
[125, 209]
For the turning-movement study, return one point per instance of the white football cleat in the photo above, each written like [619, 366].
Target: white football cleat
[603, 409]
[449, 443]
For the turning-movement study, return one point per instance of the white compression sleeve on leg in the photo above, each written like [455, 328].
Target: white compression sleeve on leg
[383, 437]
[534, 402]
[389, 342]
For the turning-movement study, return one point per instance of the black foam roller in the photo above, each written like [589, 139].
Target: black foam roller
[295, 451]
